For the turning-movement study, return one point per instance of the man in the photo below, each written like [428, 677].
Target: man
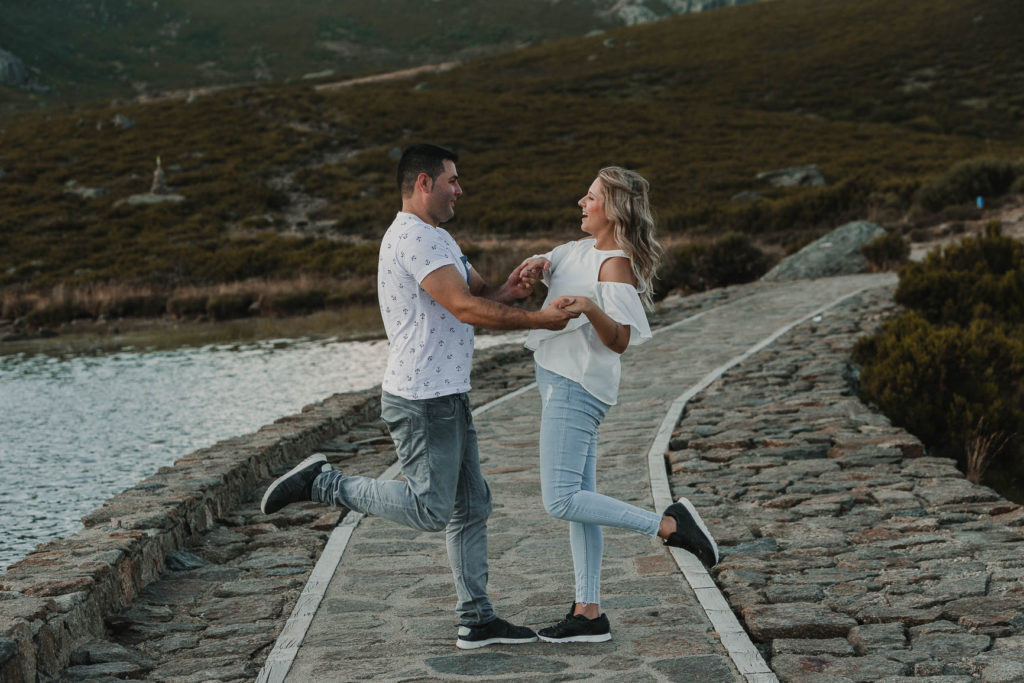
[430, 298]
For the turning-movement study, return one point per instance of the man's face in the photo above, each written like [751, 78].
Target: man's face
[443, 193]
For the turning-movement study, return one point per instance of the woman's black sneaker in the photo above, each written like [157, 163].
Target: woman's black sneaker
[497, 631]
[691, 534]
[578, 629]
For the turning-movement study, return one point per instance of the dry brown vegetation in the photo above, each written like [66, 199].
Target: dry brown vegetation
[285, 183]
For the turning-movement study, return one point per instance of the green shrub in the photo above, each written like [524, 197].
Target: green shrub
[978, 277]
[944, 383]
[55, 313]
[967, 180]
[139, 306]
[293, 303]
[16, 307]
[354, 291]
[886, 252]
[951, 368]
[731, 259]
[230, 306]
[1018, 185]
[187, 305]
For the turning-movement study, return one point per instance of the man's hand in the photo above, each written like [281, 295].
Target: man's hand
[557, 314]
[527, 274]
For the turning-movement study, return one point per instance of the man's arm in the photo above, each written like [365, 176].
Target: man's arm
[518, 285]
[449, 288]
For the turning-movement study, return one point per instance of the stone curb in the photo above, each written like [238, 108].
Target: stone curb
[70, 593]
[848, 553]
[55, 599]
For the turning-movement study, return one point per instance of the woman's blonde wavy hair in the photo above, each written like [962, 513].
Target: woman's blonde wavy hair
[627, 204]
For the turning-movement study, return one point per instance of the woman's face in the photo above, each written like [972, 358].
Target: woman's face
[594, 222]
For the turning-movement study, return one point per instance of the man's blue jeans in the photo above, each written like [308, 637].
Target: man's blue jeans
[436, 443]
[570, 417]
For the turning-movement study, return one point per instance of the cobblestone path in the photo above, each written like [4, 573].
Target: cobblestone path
[387, 614]
[848, 554]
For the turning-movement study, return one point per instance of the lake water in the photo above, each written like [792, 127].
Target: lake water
[76, 431]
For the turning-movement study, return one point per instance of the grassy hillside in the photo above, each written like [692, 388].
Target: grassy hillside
[120, 48]
[288, 181]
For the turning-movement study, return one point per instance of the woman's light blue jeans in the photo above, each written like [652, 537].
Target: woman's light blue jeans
[435, 441]
[569, 422]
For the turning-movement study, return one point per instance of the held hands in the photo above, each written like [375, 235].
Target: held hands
[521, 281]
[557, 314]
[576, 304]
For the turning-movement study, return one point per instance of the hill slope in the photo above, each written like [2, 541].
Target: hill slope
[280, 181]
[88, 49]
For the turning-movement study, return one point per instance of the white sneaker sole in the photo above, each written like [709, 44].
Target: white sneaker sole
[474, 644]
[579, 639]
[302, 465]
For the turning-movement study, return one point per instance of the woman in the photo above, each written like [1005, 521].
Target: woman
[609, 276]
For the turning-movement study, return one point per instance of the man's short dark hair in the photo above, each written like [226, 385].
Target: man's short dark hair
[421, 158]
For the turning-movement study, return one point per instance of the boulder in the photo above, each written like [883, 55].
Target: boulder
[72, 187]
[149, 198]
[121, 121]
[632, 12]
[837, 253]
[12, 70]
[804, 176]
[686, 6]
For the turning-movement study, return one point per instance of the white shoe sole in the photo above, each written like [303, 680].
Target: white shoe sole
[579, 639]
[474, 644]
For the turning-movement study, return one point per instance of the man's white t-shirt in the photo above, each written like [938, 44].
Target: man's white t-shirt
[431, 351]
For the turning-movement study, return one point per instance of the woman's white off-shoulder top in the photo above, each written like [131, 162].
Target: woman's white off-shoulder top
[577, 352]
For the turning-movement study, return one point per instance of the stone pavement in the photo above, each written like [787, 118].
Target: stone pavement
[848, 554]
[387, 614]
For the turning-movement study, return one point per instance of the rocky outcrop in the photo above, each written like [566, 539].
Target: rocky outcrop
[837, 253]
[807, 175]
[632, 12]
[72, 187]
[685, 6]
[122, 122]
[12, 70]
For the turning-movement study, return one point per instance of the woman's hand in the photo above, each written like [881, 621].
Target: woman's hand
[580, 305]
[521, 281]
[612, 334]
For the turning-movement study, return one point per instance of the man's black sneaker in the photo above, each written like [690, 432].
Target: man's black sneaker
[293, 486]
[691, 534]
[578, 629]
[497, 631]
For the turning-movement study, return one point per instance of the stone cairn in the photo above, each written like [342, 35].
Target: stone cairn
[159, 182]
